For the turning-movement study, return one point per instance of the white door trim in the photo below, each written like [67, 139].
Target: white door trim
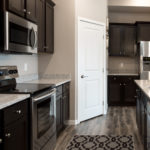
[105, 72]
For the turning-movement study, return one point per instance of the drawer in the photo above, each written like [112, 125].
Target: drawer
[59, 90]
[15, 112]
[66, 87]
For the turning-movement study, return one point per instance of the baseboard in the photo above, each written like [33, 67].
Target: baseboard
[72, 122]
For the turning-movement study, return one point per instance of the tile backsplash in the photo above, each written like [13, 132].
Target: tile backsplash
[123, 65]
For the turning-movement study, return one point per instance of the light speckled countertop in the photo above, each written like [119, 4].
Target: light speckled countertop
[57, 82]
[144, 85]
[10, 99]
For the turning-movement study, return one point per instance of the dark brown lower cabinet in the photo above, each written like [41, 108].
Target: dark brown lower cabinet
[121, 90]
[143, 118]
[14, 133]
[62, 107]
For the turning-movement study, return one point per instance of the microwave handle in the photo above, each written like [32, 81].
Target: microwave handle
[35, 36]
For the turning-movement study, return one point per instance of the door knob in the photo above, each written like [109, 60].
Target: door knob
[83, 76]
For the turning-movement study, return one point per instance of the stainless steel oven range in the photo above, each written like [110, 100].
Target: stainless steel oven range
[42, 107]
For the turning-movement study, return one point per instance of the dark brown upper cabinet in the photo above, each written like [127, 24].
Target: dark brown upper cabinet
[143, 31]
[45, 17]
[122, 40]
[23, 8]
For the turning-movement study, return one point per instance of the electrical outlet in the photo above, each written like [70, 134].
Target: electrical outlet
[25, 67]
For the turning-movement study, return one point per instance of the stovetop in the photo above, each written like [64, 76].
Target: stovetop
[29, 88]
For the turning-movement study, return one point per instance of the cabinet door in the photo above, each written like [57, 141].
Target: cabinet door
[148, 126]
[31, 10]
[114, 91]
[65, 107]
[143, 32]
[17, 6]
[16, 136]
[115, 40]
[41, 24]
[49, 28]
[129, 41]
[59, 114]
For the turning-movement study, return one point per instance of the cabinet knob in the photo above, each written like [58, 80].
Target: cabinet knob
[29, 13]
[114, 78]
[1, 141]
[8, 135]
[124, 84]
[24, 10]
[135, 96]
[18, 111]
[120, 84]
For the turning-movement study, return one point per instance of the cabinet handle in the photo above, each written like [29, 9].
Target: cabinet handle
[1, 141]
[8, 135]
[24, 10]
[135, 96]
[45, 47]
[124, 84]
[120, 84]
[18, 111]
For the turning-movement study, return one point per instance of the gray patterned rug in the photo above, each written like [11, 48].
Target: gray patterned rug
[101, 142]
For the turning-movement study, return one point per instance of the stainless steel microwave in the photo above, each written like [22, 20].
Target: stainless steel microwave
[17, 34]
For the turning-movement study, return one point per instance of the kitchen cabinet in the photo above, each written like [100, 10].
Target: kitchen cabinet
[14, 131]
[17, 6]
[142, 118]
[31, 13]
[45, 15]
[143, 31]
[62, 106]
[122, 40]
[24, 8]
[121, 90]
[148, 126]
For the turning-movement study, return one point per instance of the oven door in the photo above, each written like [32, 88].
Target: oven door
[44, 120]
[20, 34]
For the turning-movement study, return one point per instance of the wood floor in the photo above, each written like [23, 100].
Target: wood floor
[118, 121]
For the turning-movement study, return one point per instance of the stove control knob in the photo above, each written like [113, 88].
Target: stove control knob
[1, 73]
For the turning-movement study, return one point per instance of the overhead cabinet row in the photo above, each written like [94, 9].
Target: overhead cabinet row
[123, 38]
[40, 12]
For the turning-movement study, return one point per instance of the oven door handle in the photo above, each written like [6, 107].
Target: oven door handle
[44, 96]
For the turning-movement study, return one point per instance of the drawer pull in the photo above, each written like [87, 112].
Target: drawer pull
[8, 135]
[18, 111]
[1, 141]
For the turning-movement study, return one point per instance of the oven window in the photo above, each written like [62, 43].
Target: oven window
[45, 116]
[18, 34]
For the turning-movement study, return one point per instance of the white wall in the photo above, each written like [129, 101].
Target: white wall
[19, 61]
[141, 3]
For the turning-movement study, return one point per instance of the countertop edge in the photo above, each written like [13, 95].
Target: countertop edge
[12, 102]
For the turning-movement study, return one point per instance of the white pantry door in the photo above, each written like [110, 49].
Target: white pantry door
[90, 70]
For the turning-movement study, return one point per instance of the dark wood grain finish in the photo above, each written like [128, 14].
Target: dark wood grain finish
[118, 121]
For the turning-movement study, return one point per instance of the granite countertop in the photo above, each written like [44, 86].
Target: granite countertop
[10, 99]
[57, 82]
[144, 85]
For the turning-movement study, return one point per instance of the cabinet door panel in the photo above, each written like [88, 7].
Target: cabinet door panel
[114, 91]
[143, 32]
[31, 10]
[129, 40]
[49, 28]
[17, 6]
[59, 114]
[16, 136]
[41, 24]
[65, 107]
[115, 40]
